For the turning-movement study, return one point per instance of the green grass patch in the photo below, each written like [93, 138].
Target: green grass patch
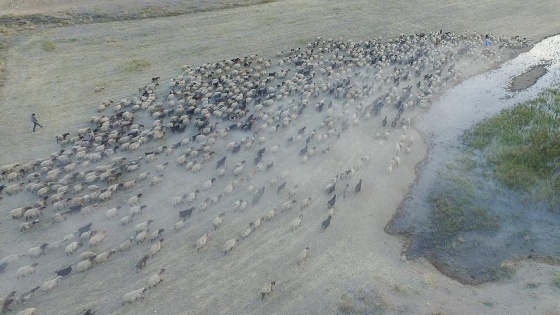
[48, 45]
[452, 215]
[523, 145]
[137, 65]
[556, 280]
[503, 272]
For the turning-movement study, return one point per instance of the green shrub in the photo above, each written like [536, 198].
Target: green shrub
[49, 45]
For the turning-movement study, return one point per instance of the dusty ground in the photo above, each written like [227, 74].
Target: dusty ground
[356, 263]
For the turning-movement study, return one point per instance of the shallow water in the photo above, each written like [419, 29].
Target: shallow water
[526, 229]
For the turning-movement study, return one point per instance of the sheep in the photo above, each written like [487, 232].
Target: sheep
[331, 202]
[84, 228]
[141, 263]
[305, 203]
[218, 220]
[134, 200]
[84, 265]
[51, 284]
[143, 176]
[26, 270]
[161, 167]
[26, 296]
[292, 193]
[325, 224]
[27, 311]
[126, 245]
[179, 225]
[111, 213]
[142, 236]
[296, 222]
[6, 301]
[97, 239]
[287, 205]
[179, 200]
[72, 247]
[267, 289]
[64, 271]
[190, 198]
[154, 249]
[302, 255]
[136, 210]
[19, 212]
[14, 189]
[358, 187]
[156, 279]
[247, 231]
[156, 234]
[201, 241]
[35, 252]
[183, 214]
[126, 220]
[32, 213]
[103, 257]
[270, 214]
[208, 184]
[156, 180]
[228, 245]
[11, 258]
[87, 255]
[133, 296]
[27, 226]
[142, 226]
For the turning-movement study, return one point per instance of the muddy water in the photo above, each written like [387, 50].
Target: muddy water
[525, 229]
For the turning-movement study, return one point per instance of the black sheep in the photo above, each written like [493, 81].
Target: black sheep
[85, 228]
[358, 187]
[64, 272]
[186, 213]
[325, 224]
[221, 162]
[331, 202]
[280, 187]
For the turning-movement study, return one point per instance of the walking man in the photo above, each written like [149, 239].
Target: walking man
[35, 122]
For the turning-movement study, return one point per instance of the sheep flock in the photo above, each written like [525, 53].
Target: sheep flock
[209, 172]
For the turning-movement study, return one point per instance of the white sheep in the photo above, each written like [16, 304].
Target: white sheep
[72, 247]
[84, 265]
[208, 184]
[302, 255]
[218, 220]
[126, 220]
[246, 232]
[179, 200]
[156, 279]
[126, 245]
[156, 180]
[296, 222]
[156, 247]
[97, 239]
[142, 226]
[11, 258]
[179, 225]
[133, 296]
[87, 255]
[27, 226]
[14, 189]
[26, 270]
[51, 284]
[111, 213]
[267, 289]
[270, 214]
[35, 252]
[103, 257]
[18, 212]
[136, 210]
[142, 236]
[27, 311]
[134, 200]
[228, 245]
[201, 241]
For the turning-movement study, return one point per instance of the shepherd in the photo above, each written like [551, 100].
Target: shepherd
[35, 122]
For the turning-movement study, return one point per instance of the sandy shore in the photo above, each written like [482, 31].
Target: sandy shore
[354, 266]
